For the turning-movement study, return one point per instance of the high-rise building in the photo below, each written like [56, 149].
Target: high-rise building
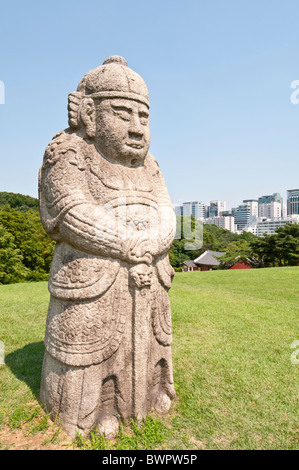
[178, 210]
[242, 214]
[216, 208]
[253, 206]
[196, 208]
[187, 209]
[293, 201]
[246, 210]
[271, 206]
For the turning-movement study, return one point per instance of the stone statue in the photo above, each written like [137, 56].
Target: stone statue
[104, 200]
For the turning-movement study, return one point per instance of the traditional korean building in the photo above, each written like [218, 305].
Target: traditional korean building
[208, 260]
[188, 266]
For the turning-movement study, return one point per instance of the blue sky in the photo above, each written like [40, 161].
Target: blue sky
[219, 75]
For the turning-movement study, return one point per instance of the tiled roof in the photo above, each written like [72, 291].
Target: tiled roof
[208, 258]
[190, 263]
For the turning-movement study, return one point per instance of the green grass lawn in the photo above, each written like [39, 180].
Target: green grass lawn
[236, 385]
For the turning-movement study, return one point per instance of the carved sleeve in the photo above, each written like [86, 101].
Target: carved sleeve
[167, 219]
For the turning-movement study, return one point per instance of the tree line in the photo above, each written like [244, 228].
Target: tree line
[279, 249]
[26, 250]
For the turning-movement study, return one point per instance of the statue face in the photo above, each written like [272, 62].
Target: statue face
[122, 130]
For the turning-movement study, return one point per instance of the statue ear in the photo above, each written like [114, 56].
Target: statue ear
[88, 116]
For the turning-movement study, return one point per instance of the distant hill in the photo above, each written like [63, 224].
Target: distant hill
[18, 201]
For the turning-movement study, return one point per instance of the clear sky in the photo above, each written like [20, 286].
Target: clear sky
[219, 74]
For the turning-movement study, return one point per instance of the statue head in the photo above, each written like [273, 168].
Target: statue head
[111, 108]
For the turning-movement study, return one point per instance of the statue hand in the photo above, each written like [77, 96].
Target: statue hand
[138, 249]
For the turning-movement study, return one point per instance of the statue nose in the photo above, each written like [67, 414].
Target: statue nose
[136, 129]
[135, 134]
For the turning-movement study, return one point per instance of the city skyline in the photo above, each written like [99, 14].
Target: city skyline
[258, 216]
[228, 207]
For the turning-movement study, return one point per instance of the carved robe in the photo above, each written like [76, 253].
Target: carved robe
[108, 327]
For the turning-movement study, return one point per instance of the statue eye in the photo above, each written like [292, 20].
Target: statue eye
[143, 118]
[122, 112]
[122, 115]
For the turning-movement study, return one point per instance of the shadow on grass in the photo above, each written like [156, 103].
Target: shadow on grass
[26, 365]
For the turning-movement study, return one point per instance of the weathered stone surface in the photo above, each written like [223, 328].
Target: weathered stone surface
[104, 200]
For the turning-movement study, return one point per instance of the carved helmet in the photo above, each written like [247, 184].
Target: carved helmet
[113, 79]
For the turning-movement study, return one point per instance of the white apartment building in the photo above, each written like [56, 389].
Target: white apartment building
[261, 225]
[253, 206]
[272, 210]
[227, 222]
[271, 206]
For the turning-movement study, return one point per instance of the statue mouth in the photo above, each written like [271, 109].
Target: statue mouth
[135, 145]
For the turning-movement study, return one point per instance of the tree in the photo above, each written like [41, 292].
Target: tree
[177, 253]
[287, 244]
[35, 246]
[279, 249]
[265, 250]
[239, 250]
[11, 265]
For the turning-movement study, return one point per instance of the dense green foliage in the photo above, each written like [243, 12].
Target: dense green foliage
[25, 249]
[279, 249]
[18, 201]
[12, 268]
